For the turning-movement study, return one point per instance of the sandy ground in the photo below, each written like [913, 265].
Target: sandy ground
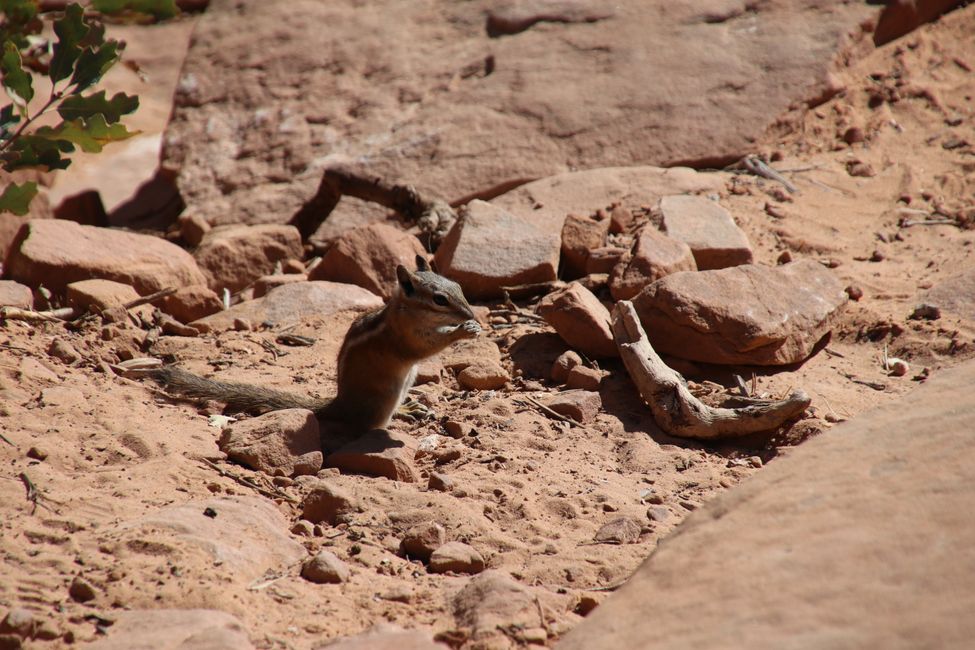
[531, 492]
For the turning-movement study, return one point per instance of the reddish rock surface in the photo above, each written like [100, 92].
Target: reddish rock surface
[378, 453]
[15, 294]
[654, 256]
[580, 319]
[456, 557]
[491, 111]
[165, 629]
[232, 257]
[291, 302]
[841, 561]
[752, 315]
[191, 303]
[580, 234]
[489, 248]
[54, 253]
[267, 282]
[284, 443]
[708, 229]
[368, 256]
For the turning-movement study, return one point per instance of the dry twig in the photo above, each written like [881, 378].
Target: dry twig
[759, 168]
[246, 482]
[674, 408]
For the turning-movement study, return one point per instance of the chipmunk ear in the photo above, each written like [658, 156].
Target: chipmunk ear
[405, 280]
[422, 264]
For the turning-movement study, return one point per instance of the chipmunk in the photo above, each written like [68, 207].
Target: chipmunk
[376, 363]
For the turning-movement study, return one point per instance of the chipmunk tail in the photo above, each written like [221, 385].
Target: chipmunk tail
[238, 397]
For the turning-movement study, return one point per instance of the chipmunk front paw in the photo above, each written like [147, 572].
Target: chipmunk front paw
[468, 329]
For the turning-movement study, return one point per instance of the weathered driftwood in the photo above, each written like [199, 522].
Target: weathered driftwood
[674, 408]
[433, 216]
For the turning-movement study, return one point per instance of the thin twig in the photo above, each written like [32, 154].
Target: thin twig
[7, 440]
[929, 222]
[248, 483]
[35, 496]
[759, 168]
[52, 316]
[869, 384]
[553, 413]
[517, 313]
[152, 297]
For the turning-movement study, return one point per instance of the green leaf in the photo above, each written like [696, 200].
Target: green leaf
[33, 151]
[7, 119]
[113, 109]
[92, 64]
[16, 198]
[15, 80]
[91, 134]
[20, 20]
[71, 30]
[160, 9]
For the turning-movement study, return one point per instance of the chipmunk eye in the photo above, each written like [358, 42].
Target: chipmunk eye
[440, 299]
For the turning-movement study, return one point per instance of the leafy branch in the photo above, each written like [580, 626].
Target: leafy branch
[76, 62]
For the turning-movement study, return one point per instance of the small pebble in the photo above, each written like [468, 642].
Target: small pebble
[854, 292]
[926, 311]
[440, 482]
[784, 258]
[325, 568]
[81, 590]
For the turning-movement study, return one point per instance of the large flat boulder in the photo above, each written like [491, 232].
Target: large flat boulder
[55, 253]
[174, 629]
[290, 303]
[748, 314]
[433, 94]
[860, 538]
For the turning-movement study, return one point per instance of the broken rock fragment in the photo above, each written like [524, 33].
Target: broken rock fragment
[490, 248]
[654, 256]
[279, 443]
[749, 314]
[580, 319]
[232, 257]
[712, 234]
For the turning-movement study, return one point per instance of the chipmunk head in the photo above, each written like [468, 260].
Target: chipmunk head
[439, 297]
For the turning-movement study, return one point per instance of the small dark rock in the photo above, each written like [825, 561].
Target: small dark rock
[81, 590]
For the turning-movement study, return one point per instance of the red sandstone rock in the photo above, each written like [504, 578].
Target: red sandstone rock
[378, 453]
[280, 443]
[580, 234]
[708, 229]
[654, 255]
[233, 257]
[191, 303]
[368, 256]
[580, 319]
[14, 294]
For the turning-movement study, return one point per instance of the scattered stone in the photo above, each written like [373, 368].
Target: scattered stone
[102, 295]
[378, 453]
[284, 443]
[169, 629]
[775, 211]
[580, 234]
[193, 228]
[854, 292]
[708, 229]
[55, 253]
[14, 294]
[493, 601]
[368, 256]
[490, 248]
[19, 622]
[621, 220]
[265, 283]
[61, 349]
[859, 168]
[566, 362]
[456, 557]
[440, 482]
[659, 514]
[580, 319]
[654, 255]
[513, 17]
[687, 504]
[429, 371]
[456, 429]
[327, 503]
[462, 353]
[303, 528]
[853, 135]
[385, 636]
[926, 311]
[747, 314]
[37, 453]
[191, 303]
[587, 603]
[292, 302]
[604, 259]
[784, 258]
[243, 325]
[422, 540]
[232, 257]
[483, 375]
[584, 378]
[81, 590]
[580, 405]
[619, 531]
[325, 568]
